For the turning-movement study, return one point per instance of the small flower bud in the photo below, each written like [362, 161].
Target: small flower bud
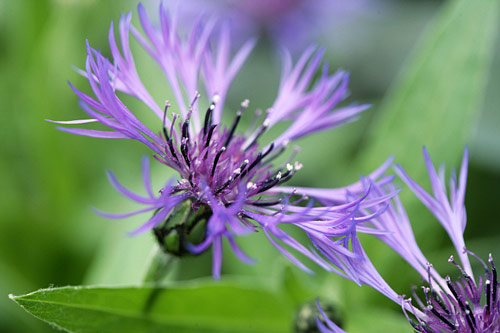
[184, 224]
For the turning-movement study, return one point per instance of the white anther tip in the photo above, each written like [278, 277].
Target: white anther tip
[216, 98]
[245, 103]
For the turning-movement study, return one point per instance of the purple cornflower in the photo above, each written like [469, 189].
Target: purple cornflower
[221, 171]
[466, 305]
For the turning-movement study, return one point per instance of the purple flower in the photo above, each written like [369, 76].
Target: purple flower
[222, 171]
[468, 304]
[289, 23]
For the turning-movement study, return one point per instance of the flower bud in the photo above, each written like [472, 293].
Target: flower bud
[184, 225]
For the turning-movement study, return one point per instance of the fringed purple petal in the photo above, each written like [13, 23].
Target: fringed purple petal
[238, 252]
[158, 218]
[126, 192]
[287, 254]
[450, 214]
[94, 133]
[124, 215]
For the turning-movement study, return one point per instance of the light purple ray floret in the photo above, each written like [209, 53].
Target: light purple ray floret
[228, 172]
[450, 212]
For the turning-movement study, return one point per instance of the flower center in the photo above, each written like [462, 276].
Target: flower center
[222, 161]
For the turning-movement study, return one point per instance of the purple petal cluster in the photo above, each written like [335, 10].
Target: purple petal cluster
[468, 304]
[221, 169]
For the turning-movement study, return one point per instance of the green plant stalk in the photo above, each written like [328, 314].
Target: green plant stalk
[158, 267]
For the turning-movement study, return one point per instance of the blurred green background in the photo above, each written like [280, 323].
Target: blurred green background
[49, 180]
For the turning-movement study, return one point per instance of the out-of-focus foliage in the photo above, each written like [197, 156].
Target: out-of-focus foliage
[437, 99]
[49, 179]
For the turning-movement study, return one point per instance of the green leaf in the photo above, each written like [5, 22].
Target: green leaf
[437, 99]
[200, 307]
[377, 320]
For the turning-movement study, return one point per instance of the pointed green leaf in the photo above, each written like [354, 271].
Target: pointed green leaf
[202, 307]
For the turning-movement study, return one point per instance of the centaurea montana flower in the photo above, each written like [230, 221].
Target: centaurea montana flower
[468, 304]
[225, 173]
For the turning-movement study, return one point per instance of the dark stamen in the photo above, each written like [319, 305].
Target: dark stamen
[254, 163]
[185, 151]
[494, 280]
[172, 149]
[488, 296]
[244, 105]
[185, 129]
[439, 302]
[216, 160]
[460, 303]
[208, 118]
[469, 312]
[242, 168]
[470, 322]
[261, 131]
[225, 185]
[269, 183]
[443, 319]
[209, 136]
[286, 178]
[454, 292]
[259, 158]
[231, 179]
[191, 178]
[244, 164]
[269, 149]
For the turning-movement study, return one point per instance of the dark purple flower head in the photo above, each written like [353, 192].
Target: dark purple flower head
[222, 170]
[467, 304]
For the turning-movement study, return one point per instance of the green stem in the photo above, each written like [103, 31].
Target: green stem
[158, 266]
